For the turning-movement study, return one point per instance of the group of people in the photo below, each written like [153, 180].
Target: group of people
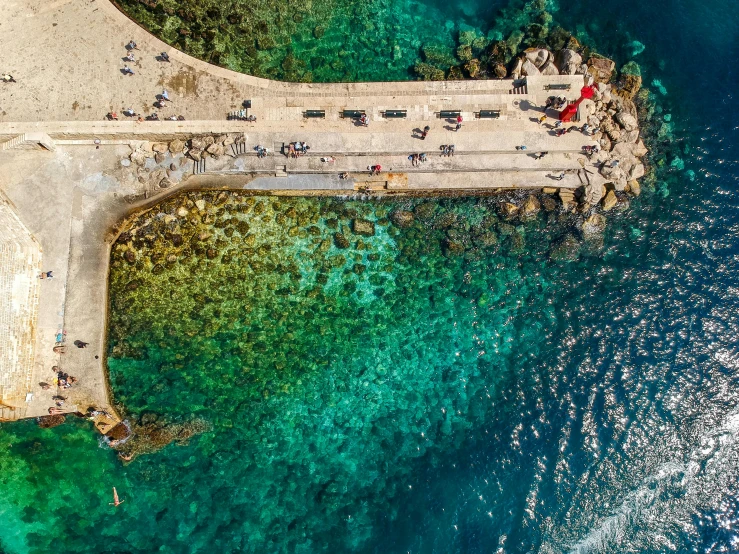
[296, 149]
[240, 115]
[416, 159]
[591, 150]
[374, 169]
[555, 103]
[261, 151]
[447, 150]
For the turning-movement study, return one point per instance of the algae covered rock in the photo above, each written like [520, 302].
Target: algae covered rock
[567, 249]
[472, 68]
[428, 72]
[452, 248]
[530, 207]
[341, 241]
[601, 68]
[402, 218]
[363, 227]
[567, 61]
[594, 225]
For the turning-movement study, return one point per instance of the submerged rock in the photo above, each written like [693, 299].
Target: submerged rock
[402, 218]
[363, 227]
[594, 225]
[452, 248]
[530, 207]
[567, 249]
[341, 241]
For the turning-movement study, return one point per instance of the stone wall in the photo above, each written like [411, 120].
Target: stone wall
[20, 258]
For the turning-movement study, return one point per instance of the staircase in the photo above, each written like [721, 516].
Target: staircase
[523, 89]
[198, 167]
[11, 414]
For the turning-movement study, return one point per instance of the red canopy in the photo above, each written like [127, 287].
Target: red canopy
[571, 109]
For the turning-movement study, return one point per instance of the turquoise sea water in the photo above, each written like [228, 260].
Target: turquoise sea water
[386, 397]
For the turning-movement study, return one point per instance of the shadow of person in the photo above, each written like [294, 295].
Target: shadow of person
[417, 133]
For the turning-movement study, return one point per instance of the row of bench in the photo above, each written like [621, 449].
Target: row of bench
[400, 114]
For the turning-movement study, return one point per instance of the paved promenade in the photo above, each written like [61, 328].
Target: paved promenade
[65, 169]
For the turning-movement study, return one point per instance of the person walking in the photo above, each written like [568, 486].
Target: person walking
[8, 78]
[165, 95]
[127, 70]
[459, 122]
[130, 57]
[425, 132]
[560, 176]
[164, 56]
[132, 45]
[542, 119]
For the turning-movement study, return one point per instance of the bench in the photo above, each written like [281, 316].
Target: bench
[317, 114]
[449, 114]
[558, 87]
[395, 114]
[488, 114]
[352, 114]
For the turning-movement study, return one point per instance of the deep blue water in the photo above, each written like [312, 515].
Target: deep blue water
[620, 435]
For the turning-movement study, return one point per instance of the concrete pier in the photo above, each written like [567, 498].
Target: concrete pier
[62, 176]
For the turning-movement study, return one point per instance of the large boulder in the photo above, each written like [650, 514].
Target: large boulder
[537, 56]
[627, 121]
[637, 171]
[529, 69]
[549, 69]
[508, 209]
[629, 86]
[363, 227]
[615, 175]
[516, 68]
[138, 157]
[195, 153]
[601, 68]
[176, 146]
[499, 70]
[567, 61]
[160, 147]
[634, 188]
[530, 207]
[594, 225]
[609, 201]
[215, 150]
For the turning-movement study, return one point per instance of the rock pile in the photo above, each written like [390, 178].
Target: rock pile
[163, 165]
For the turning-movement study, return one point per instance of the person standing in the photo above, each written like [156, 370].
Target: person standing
[425, 132]
[8, 78]
[459, 122]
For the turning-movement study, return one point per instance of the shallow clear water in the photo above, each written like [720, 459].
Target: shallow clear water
[499, 401]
